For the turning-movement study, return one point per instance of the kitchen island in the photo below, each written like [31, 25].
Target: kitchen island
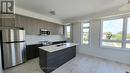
[53, 56]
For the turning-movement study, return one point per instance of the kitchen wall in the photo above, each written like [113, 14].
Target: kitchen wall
[35, 39]
[94, 48]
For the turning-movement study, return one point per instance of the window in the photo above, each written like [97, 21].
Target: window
[112, 44]
[115, 33]
[68, 30]
[128, 29]
[112, 32]
[85, 33]
[112, 29]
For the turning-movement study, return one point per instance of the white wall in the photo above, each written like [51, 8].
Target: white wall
[94, 48]
[35, 39]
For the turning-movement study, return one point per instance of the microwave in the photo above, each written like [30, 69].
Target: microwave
[44, 32]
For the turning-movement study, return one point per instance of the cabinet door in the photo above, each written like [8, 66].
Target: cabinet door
[8, 22]
[30, 52]
[50, 28]
[55, 29]
[24, 22]
[37, 49]
[59, 30]
[19, 21]
[34, 27]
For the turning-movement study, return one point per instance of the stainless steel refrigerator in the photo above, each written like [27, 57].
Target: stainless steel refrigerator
[13, 47]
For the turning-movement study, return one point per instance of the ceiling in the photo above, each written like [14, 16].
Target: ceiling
[68, 8]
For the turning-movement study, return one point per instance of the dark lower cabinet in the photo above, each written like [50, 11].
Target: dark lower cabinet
[51, 61]
[32, 51]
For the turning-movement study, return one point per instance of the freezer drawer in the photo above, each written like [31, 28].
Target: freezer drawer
[12, 35]
[13, 54]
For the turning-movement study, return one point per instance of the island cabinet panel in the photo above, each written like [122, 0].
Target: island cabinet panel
[50, 61]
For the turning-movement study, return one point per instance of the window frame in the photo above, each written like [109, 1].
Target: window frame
[126, 41]
[124, 33]
[83, 32]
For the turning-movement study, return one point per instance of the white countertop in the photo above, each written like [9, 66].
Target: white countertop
[53, 48]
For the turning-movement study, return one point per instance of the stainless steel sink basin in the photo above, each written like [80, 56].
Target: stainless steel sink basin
[60, 45]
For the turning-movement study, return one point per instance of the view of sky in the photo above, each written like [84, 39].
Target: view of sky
[109, 26]
[86, 24]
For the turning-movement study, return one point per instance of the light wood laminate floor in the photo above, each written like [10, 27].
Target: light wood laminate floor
[80, 64]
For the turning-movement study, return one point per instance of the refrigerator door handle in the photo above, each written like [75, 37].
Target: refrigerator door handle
[14, 42]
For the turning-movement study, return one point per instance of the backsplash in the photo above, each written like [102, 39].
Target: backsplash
[35, 39]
